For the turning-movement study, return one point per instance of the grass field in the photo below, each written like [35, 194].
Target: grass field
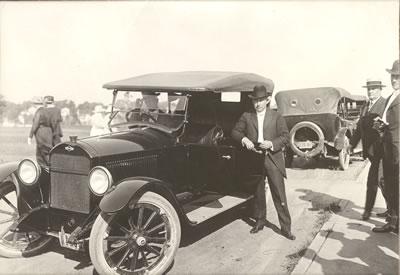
[14, 146]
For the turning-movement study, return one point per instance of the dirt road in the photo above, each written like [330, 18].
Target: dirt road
[224, 244]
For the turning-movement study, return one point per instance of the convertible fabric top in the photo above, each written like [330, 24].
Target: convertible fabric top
[192, 81]
[312, 100]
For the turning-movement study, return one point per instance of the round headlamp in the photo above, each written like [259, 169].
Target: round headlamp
[100, 180]
[29, 171]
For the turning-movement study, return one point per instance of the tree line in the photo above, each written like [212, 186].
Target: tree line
[22, 113]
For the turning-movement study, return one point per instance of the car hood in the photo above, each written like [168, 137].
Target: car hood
[124, 142]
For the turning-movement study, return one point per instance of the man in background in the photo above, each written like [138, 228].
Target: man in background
[390, 125]
[99, 121]
[372, 147]
[54, 115]
[41, 129]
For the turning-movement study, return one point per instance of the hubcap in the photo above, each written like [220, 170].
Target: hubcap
[141, 241]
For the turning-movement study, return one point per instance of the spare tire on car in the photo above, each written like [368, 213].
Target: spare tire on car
[306, 139]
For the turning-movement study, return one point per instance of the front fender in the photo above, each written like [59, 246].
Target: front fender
[340, 140]
[28, 197]
[6, 169]
[120, 196]
[130, 190]
[9, 169]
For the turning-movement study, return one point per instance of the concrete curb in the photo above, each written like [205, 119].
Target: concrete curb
[313, 249]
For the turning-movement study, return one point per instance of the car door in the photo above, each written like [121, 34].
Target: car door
[211, 167]
[209, 163]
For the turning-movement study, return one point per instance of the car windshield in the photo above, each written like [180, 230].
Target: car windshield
[158, 109]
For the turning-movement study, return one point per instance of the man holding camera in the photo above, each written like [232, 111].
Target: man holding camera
[372, 146]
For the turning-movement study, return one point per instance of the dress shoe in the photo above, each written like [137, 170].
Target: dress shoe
[365, 216]
[383, 215]
[385, 228]
[288, 235]
[258, 227]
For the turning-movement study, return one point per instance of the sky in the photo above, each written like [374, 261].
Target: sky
[70, 49]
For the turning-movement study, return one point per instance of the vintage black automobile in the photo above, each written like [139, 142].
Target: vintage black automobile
[321, 121]
[166, 165]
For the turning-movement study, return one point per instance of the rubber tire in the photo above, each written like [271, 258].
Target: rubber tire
[321, 138]
[41, 243]
[344, 156]
[102, 222]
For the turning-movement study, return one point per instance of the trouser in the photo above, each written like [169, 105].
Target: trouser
[260, 208]
[277, 187]
[391, 177]
[373, 181]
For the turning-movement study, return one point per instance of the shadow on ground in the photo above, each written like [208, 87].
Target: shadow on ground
[195, 234]
[82, 259]
[322, 201]
[331, 163]
[381, 252]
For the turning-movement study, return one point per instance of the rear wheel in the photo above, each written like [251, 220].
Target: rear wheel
[142, 240]
[16, 242]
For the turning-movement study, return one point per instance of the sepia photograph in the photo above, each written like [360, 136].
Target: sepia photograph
[199, 137]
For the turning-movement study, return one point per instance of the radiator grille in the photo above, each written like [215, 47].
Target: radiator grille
[76, 164]
[69, 183]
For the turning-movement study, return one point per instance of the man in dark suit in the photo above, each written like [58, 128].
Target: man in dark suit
[264, 131]
[371, 141]
[390, 126]
[54, 115]
[41, 129]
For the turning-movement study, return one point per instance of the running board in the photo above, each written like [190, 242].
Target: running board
[211, 205]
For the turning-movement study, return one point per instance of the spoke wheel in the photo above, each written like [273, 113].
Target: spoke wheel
[15, 242]
[143, 240]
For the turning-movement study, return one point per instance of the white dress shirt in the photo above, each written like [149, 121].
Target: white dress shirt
[260, 123]
[392, 97]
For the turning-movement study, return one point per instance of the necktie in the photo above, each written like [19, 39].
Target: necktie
[370, 105]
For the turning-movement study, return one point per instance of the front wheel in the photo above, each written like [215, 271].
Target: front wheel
[16, 242]
[142, 240]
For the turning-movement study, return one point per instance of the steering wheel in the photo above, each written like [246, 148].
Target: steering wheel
[147, 117]
[129, 115]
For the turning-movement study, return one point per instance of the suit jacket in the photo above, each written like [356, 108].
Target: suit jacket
[371, 142]
[391, 133]
[54, 115]
[274, 129]
[41, 128]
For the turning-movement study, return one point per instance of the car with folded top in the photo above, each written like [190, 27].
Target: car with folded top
[321, 121]
[166, 165]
